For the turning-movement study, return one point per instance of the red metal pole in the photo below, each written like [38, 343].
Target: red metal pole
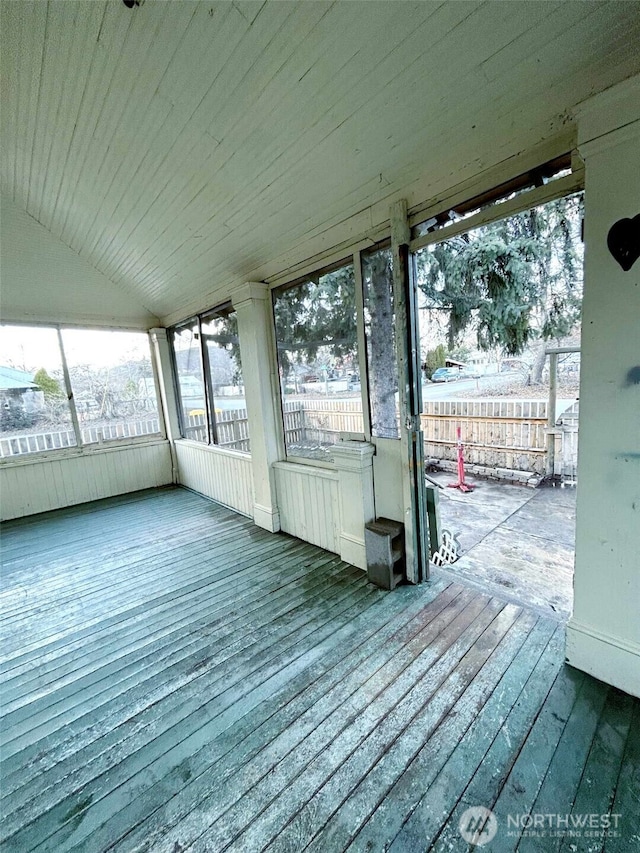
[461, 484]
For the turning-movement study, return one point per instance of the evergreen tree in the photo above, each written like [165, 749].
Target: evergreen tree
[316, 314]
[48, 385]
[515, 281]
[435, 358]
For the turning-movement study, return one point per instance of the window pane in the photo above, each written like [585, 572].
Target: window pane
[379, 323]
[34, 413]
[112, 381]
[318, 362]
[188, 360]
[220, 332]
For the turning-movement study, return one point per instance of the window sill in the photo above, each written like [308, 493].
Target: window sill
[310, 467]
[78, 452]
[213, 448]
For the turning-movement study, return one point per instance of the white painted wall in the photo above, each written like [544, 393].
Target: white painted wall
[387, 479]
[308, 500]
[329, 507]
[603, 636]
[40, 484]
[224, 476]
[45, 281]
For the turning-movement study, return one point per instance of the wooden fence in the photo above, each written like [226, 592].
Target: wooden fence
[320, 422]
[499, 436]
[232, 428]
[565, 459]
[503, 438]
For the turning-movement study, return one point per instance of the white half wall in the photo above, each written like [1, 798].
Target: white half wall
[224, 476]
[40, 484]
[603, 636]
[308, 500]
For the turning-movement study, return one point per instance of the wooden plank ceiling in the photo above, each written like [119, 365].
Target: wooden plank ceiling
[181, 148]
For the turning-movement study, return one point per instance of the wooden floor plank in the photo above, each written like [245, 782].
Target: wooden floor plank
[131, 566]
[487, 760]
[177, 679]
[427, 791]
[268, 745]
[135, 576]
[46, 709]
[153, 630]
[229, 785]
[190, 725]
[523, 783]
[563, 775]
[190, 700]
[159, 609]
[105, 744]
[626, 802]
[224, 651]
[205, 769]
[602, 768]
[372, 771]
[256, 819]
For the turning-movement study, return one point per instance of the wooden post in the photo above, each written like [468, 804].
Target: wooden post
[69, 390]
[252, 302]
[410, 397]
[354, 463]
[235, 430]
[167, 396]
[551, 413]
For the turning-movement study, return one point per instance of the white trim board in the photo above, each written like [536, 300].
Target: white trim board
[608, 658]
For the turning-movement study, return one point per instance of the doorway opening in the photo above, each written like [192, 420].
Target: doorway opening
[499, 301]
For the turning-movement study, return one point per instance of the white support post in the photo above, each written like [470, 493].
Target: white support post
[252, 303]
[354, 462]
[603, 635]
[68, 388]
[408, 362]
[168, 399]
[164, 377]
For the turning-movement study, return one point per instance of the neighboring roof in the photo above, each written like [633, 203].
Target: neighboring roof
[12, 378]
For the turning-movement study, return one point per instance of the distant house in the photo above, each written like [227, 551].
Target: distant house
[17, 388]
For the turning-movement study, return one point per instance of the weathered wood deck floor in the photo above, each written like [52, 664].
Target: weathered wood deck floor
[176, 679]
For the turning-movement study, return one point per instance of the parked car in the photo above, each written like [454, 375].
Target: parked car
[445, 374]
[353, 382]
[469, 373]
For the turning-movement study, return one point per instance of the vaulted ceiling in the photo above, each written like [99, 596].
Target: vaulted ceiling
[180, 148]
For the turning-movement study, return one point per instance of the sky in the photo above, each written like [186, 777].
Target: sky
[30, 348]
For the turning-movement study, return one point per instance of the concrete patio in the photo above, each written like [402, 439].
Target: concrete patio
[516, 542]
